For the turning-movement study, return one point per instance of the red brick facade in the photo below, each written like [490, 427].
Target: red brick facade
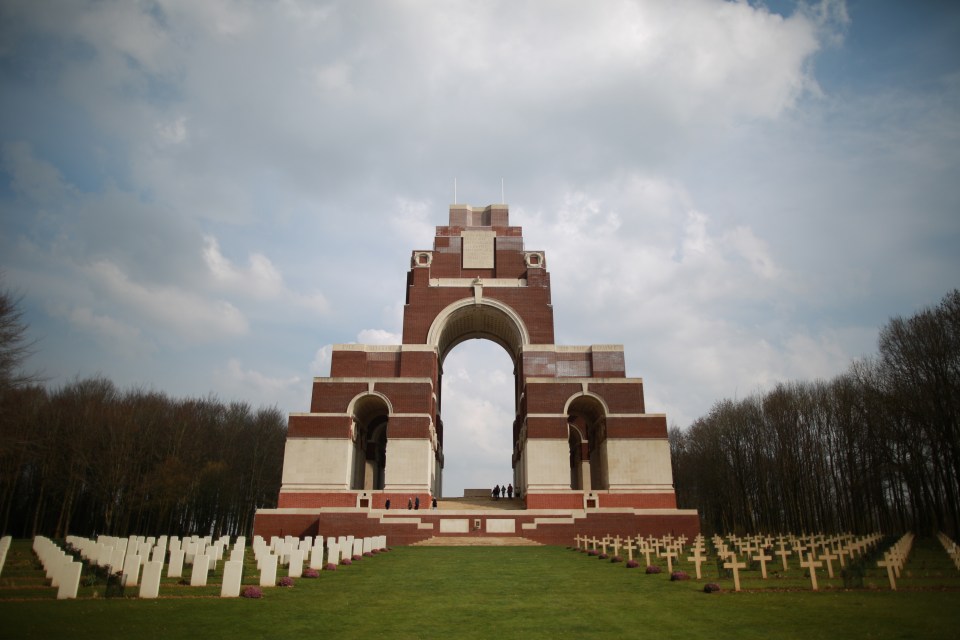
[478, 281]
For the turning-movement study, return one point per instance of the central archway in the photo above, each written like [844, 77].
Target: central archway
[482, 319]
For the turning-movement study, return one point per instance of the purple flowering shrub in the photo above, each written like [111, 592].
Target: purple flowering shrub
[311, 573]
[285, 581]
[357, 557]
[602, 556]
[679, 575]
[330, 567]
[251, 592]
[593, 552]
[653, 569]
[616, 559]
[346, 562]
[632, 564]
[711, 587]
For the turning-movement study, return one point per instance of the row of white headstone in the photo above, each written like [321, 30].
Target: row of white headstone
[292, 552]
[949, 545]
[129, 555]
[4, 547]
[60, 567]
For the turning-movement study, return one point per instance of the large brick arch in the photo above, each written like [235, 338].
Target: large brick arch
[582, 440]
[486, 318]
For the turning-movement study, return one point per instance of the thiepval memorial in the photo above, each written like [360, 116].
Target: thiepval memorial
[586, 456]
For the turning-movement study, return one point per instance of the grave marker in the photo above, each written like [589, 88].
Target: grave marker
[812, 564]
[735, 566]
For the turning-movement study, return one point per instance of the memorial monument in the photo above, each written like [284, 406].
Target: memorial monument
[587, 457]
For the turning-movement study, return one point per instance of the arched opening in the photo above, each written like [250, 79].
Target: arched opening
[478, 397]
[586, 419]
[369, 461]
[478, 401]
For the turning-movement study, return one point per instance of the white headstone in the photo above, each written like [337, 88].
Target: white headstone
[131, 571]
[69, 581]
[201, 565]
[150, 585]
[232, 575]
[316, 557]
[268, 571]
[295, 569]
[175, 568]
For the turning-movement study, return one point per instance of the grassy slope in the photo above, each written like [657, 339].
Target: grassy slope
[540, 592]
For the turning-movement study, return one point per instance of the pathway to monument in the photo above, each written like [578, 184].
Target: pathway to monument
[479, 503]
[477, 541]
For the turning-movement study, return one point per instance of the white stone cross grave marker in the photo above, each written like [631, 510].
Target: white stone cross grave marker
[670, 553]
[828, 556]
[629, 546]
[812, 564]
[697, 559]
[762, 558]
[735, 566]
[889, 563]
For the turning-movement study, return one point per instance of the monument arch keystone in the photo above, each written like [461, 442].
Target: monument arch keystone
[585, 452]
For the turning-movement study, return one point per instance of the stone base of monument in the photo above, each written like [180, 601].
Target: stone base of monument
[546, 526]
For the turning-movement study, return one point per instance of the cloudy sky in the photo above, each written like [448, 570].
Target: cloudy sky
[202, 197]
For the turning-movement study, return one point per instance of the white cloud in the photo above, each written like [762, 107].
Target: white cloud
[260, 279]
[378, 336]
[236, 381]
[184, 313]
[110, 333]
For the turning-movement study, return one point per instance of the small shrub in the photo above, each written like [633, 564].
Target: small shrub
[368, 554]
[711, 587]
[593, 552]
[285, 581]
[632, 564]
[602, 556]
[311, 573]
[357, 557]
[251, 592]
[679, 575]
[346, 562]
[330, 567]
[652, 568]
[616, 559]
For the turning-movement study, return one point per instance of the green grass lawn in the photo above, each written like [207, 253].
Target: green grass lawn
[499, 592]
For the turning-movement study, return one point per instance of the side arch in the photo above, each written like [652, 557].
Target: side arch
[370, 413]
[587, 438]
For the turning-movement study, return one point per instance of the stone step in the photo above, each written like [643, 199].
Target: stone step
[482, 503]
[477, 541]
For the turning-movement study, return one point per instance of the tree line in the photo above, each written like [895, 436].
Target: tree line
[91, 459]
[874, 449]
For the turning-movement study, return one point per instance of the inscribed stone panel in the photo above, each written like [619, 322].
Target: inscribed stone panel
[478, 248]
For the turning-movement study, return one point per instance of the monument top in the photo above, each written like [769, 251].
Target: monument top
[492, 215]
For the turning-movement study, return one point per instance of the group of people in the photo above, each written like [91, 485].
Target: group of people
[506, 492]
[413, 503]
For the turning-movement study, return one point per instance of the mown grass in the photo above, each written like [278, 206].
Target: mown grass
[500, 592]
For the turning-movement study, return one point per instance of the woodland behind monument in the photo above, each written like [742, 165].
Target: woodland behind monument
[875, 448]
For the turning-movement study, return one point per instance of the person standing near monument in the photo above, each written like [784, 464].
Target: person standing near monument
[433, 503]
[416, 504]
[496, 492]
[510, 491]
[409, 504]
